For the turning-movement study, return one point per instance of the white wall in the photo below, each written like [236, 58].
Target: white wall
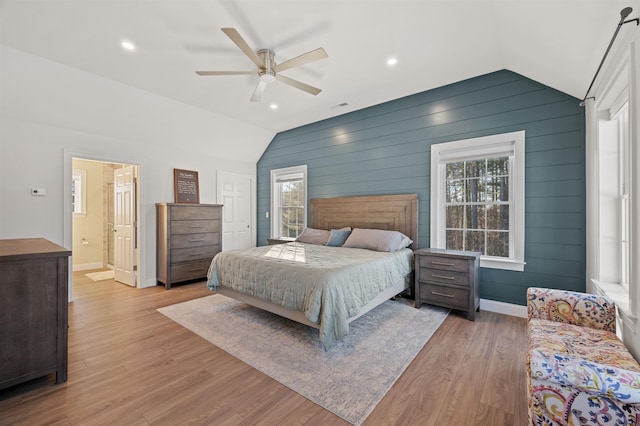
[50, 112]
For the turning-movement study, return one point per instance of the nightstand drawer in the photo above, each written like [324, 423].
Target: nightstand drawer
[444, 263]
[452, 297]
[444, 277]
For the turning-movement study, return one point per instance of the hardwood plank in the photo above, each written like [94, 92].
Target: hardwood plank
[130, 365]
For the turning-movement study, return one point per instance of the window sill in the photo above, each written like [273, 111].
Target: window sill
[620, 296]
[506, 264]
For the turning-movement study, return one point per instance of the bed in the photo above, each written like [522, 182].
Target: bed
[325, 287]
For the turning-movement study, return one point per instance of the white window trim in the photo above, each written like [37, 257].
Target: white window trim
[617, 85]
[82, 176]
[482, 147]
[275, 202]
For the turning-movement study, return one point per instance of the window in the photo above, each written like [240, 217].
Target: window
[79, 192]
[477, 198]
[288, 202]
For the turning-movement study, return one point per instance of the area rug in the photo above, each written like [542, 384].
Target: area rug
[348, 380]
[101, 276]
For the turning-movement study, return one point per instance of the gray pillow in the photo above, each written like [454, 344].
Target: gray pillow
[313, 236]
[377, 239]
[338, 237]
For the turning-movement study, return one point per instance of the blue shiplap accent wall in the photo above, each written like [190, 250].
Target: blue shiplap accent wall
[385, 149]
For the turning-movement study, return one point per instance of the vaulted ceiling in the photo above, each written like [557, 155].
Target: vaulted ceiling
[556, 42]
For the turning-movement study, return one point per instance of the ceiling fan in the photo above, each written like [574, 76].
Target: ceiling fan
[268, 70]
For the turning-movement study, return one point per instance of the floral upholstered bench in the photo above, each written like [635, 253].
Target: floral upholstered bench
[578, 371]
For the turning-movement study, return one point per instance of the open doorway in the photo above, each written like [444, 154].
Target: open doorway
[104, 220]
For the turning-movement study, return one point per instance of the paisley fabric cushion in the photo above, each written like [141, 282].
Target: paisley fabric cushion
[587, 310]
[604, 347]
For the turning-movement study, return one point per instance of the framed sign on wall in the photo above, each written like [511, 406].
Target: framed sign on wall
[185, 186]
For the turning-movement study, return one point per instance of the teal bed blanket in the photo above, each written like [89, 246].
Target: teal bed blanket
[328, 284]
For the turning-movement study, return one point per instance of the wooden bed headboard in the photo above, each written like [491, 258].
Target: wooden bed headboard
[390, 212]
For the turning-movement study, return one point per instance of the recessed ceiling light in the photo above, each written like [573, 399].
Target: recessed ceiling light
[392, 61]
[127, 45]
[273, 106]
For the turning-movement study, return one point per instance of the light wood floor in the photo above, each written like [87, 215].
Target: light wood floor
[130, 365]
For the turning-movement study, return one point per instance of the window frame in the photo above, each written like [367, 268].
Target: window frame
[506, 144]
[276, 219]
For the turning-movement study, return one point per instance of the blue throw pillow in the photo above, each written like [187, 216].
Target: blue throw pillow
[338, 237]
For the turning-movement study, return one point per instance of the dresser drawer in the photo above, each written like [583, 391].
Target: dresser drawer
[444, 263]
[194, 253]
[194, 213]
[194, 240]
[189, 271]
[444, 277]
[194, 226]
[452, 297]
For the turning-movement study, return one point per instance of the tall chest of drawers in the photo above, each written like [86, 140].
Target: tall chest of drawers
[448, 278]
[188, 237]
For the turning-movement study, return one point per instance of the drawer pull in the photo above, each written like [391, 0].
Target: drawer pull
[443, 277]
[196, 227]
[195, 269]
[197, 254]
[437, 293]
[442, 263]
[197, 241]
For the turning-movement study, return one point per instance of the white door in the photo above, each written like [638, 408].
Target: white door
[234, 193]
[124, 202]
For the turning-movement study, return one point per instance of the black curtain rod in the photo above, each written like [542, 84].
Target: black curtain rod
[623, 15]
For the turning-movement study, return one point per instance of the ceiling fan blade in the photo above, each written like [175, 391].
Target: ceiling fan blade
[225, 72]
[305, 58]
[257, 94]
[298, 84]
[239, 41]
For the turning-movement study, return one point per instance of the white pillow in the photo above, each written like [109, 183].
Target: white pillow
[377, 239]
[314, 236]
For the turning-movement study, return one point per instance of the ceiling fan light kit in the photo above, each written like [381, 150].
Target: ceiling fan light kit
[267, 67]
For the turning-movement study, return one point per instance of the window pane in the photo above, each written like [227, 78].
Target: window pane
[498, 217]
[455, 191]
[498, 166]
[475, 241]
[475, 217]
[498, 189]
[476, 190]
[476, 168]
[455, 217]
[454, 240]
[498, 244]
[455, 170]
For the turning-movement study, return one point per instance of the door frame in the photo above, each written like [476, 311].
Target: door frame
[67, 225]
[254, 207]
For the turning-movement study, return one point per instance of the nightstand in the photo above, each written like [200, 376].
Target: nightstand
[448, 278]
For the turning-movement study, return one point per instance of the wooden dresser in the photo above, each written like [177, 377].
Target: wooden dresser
[448, 278]
[33, 310]
[188, 236]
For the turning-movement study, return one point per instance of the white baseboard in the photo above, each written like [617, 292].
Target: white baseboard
[87, 266]
[503, 308]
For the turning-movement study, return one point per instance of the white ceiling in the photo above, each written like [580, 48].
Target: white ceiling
[556, 42]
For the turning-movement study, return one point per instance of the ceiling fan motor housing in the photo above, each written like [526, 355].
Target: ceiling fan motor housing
[267, 74]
